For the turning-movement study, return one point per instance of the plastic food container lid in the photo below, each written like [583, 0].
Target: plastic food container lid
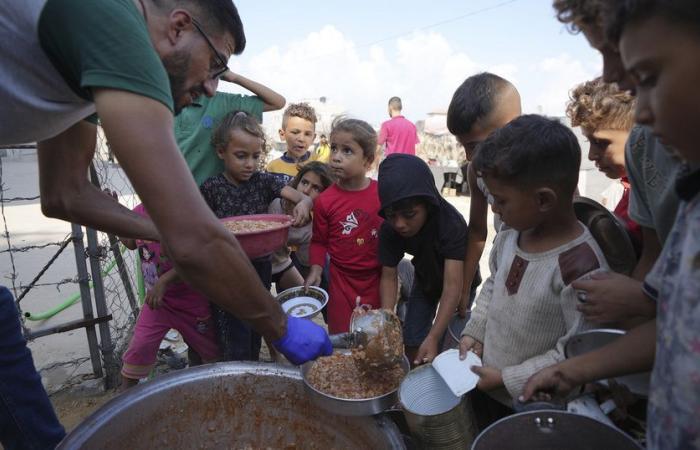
[457, 373]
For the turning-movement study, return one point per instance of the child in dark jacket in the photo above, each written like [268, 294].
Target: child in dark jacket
[420, 222]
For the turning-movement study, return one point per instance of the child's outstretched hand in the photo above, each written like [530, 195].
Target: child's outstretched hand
[468, 343]
[427, 351]
[490, 378]
[301, 215]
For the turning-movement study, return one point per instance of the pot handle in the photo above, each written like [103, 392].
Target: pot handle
[519, 406]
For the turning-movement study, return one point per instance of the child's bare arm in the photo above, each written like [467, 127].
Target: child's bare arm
[319, 246]
[154, 297]
[388, 287]
[477, 231]
[302, 211]
[451, 290]
[272, 101]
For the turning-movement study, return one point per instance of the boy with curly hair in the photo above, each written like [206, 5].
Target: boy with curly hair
[298, 132]
[605, 115]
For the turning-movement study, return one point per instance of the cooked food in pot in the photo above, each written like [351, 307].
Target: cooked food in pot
[338, 376]
[247, 226]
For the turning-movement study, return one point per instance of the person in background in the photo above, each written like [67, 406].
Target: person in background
[526, 310]
[398, 134]
[605, 115]
[169, 303]
[482, 104]
[290, 267]
[298, 132]
[196, 123]
[659, 41]
[346, 225]
[241, 190]
[323, 151]
[420, 222]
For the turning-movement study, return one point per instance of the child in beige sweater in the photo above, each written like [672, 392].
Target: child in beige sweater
[526, 310]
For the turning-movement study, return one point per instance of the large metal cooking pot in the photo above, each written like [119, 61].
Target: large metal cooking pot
[350, 407]
[552, 430]
[227, 405]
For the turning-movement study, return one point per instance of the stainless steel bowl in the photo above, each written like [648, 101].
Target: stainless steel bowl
[303, 310]
[226, 405]
[590, 340]
[351, 407]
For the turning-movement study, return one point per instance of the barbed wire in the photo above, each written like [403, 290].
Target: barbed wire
[20, 199]
[13, 276]
[26, 248]
[72, 370]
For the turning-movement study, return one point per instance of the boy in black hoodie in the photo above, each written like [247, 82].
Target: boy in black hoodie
[420, 222]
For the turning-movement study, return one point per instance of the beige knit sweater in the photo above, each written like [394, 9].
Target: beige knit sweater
[526, 310]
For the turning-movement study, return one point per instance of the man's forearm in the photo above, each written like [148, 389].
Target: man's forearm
[92, 208]
[67, 194]
[221, 271]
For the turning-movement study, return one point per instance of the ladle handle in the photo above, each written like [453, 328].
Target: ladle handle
[342, 340]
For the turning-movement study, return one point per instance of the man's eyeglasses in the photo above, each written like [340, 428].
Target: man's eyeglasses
[222, 66]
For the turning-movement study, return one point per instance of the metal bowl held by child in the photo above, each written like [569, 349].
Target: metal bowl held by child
[298, 302]
[226, 405]
[350, 406]
[259, 234]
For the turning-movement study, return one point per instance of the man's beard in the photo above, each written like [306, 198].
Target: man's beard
[177, 65]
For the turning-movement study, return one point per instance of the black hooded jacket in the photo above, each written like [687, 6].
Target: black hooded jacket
[444, 234]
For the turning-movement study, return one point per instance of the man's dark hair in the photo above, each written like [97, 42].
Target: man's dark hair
[395, 103]
[531, 151]
[621, 12]
[474, 99]
[214, 15]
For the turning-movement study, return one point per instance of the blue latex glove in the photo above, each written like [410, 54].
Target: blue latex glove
[303, 341]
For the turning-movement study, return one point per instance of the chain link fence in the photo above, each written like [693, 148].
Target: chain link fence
[46, 280]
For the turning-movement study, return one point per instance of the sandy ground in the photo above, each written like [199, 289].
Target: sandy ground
[27, 226]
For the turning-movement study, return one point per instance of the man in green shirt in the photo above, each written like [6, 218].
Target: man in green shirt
[134, 63]
[195, 124]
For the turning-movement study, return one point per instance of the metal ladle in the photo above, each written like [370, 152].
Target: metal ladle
[376, 334]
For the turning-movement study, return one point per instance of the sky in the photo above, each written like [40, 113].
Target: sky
[359, 54]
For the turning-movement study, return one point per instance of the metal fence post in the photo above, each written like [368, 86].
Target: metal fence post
[110, 363]
[83, 280]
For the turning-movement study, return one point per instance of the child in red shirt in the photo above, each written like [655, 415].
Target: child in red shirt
[346, 225]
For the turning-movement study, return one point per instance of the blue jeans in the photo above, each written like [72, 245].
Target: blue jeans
[27, 419]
